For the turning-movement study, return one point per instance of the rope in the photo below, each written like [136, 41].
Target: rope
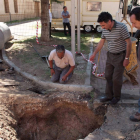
[94, 72]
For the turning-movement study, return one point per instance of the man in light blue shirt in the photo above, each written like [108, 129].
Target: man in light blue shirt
[66, 16]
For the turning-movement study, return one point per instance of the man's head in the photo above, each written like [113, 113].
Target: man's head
[65, 8]
[135, 17]
[60, 51]
[105, 20]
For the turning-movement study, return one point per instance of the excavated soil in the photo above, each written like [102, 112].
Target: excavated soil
[35, 117]
[29, 112]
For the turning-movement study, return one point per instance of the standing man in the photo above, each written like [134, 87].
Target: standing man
[119, 48]
[135, 20]
[50, 15]
[64, 64]
[66, 16]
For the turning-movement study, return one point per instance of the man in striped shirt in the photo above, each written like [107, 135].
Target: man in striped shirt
[119, 48]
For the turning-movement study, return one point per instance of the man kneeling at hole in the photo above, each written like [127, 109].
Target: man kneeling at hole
[64, 64]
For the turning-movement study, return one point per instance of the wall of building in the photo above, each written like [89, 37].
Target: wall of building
[23, 9]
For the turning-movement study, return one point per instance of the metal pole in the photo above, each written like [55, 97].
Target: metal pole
[125, 9]
[78, 25]
[73, 27]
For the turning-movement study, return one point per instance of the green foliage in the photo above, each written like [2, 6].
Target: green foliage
[92, 94]
[97, 37]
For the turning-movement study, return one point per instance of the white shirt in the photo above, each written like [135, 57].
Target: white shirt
[50, 14]
[65, 61]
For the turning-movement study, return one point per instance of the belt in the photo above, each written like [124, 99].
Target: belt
[118, 53]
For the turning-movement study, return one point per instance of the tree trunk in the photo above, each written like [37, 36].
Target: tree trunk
[45, 20]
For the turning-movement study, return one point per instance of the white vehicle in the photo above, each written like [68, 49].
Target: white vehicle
[89, 11]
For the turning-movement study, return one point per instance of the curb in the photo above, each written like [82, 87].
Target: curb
[64, 87]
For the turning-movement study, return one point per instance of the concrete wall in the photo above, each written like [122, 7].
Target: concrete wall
[2, 9]
[27, 9]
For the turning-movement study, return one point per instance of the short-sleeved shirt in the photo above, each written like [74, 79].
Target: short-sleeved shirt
[116, 37]
[65, 20]
[65, 61]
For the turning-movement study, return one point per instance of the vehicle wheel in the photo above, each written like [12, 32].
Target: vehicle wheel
[88, 28]
[99, 29]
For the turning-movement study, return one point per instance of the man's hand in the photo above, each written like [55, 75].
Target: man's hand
[52, 72]
[92, 57]
[64, 78]
[125, 62]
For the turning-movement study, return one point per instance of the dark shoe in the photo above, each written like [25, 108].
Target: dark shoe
[1, 69]
[114, 101]
[135, 118]
[105, 99]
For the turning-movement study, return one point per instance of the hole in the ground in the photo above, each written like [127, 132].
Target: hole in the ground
[36, 90]
[55, 119]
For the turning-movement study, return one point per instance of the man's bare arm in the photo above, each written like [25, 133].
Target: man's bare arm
[68, 16]
[128, 51]
[128, 47]
[51, 67]
[68, 73]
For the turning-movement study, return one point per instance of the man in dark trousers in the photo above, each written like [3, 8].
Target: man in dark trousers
[135, 20]
[66, 16]
[119, 48]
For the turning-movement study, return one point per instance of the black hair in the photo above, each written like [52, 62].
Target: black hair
[136, 12]
[60, 48]
[104, 17]
[64, 7]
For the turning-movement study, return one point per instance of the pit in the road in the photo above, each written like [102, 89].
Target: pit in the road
[60, 116]
[51, 116]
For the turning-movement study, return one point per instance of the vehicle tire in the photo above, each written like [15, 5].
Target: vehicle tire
[99, 29]
[88, 28]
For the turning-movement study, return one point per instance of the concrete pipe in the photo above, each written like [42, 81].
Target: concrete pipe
[5, 34]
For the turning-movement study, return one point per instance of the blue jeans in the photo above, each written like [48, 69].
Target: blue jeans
[139, 105]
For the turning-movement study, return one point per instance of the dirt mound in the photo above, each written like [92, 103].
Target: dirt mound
[57, 116]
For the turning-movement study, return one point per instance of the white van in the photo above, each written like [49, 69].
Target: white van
[89, 9]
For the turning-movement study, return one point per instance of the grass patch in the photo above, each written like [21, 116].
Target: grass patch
[85, 40]
[31, 40]
[97, 37]
[60, 39]
[92, 96]
[26, 58]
